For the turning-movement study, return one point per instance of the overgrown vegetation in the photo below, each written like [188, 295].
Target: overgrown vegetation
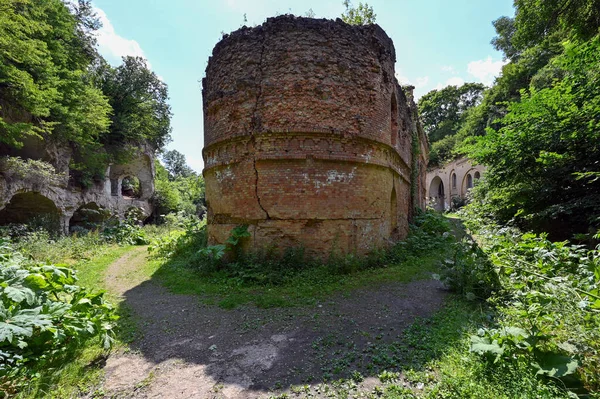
[62, 92]
[45, 318]
[179, 189]
[536, 128]
[274, 278]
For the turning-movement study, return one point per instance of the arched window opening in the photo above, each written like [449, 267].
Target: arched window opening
[453, 180]
[469, 181]
[394, 120]
[88, 217]
[477, 176]
[441, 190]
[131, 187]
[34, 210]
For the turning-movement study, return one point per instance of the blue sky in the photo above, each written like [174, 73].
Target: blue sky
[438, 42]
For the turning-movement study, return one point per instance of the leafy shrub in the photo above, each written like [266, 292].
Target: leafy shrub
[469, 272]
[186, 242]
[35, 172]
[128, 231]
[44, 317]
[547, 307]
[272, 266]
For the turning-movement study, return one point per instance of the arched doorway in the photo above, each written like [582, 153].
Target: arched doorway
[437, 194]
[32, 209]
[131, 187]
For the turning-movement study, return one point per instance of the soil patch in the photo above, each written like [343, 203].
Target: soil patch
[192, 350]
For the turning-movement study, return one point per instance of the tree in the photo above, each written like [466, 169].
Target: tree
[442, 110]
[176, 165]
[361, 15]
[139, 102]
[543, 160]
[443, 113]
[44, 85]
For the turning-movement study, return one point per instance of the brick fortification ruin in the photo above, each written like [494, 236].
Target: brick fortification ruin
[309, 139]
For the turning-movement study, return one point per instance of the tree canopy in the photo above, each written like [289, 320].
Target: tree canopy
[443, 113]
[54, 85]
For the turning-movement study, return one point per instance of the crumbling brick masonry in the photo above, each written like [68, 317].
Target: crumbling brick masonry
[309, 139]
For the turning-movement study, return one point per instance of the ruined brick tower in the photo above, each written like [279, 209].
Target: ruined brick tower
[309, 139]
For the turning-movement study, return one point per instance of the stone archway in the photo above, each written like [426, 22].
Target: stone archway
[437, 194]
[34, 209]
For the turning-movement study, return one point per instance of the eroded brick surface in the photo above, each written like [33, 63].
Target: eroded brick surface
[309, 139]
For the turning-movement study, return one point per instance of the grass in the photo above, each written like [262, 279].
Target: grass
[84, 371]
[293, 280]
[431, 358]
[306, 288]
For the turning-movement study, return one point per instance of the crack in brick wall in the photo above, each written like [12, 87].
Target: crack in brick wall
[300, 140]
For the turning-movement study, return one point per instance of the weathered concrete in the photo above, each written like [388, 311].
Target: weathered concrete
[452, 181]
[309, 139]
[22, 197]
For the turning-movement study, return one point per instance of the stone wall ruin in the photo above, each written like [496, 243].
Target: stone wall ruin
[309, 139]
[449, 185]
[26, 197]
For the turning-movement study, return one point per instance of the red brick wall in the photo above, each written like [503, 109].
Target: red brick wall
[298, 137]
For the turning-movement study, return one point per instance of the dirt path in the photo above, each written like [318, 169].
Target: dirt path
[192, 350]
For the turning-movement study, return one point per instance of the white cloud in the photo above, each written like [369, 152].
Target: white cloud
[485, 70]
[448, 68]
[453, 81]
[422, 81]
[111, 45]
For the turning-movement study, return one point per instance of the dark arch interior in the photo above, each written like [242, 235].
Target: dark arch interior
[469, 181]
[477, 175]
[33, 209]
[88, 217]
[131, 187]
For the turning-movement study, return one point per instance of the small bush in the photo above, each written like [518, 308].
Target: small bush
[275, 267]
[44, 317]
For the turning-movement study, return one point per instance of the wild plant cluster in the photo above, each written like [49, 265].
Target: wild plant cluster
[545, 298]
[275, 267]
[45, 318]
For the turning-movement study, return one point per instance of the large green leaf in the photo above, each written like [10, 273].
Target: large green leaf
[483, 346]
[20, 294]
[555, 365]
[8, 331]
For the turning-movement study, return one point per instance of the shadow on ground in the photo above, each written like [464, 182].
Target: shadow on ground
[186, 348]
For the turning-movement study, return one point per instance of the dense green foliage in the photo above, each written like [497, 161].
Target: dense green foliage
[54, 85]
[544, 159]
[537, 129]
[361, 15]
[179, 189]
[443, 114]
[546, 310]
[44, 317]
